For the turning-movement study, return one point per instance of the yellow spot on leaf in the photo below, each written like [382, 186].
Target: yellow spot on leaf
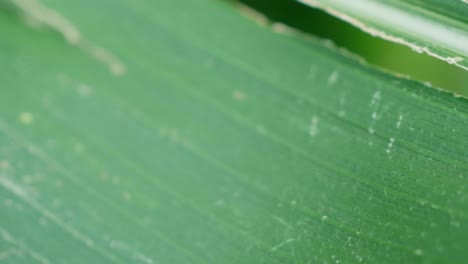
[26, 118]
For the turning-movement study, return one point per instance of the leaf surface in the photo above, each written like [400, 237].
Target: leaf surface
[167, 133]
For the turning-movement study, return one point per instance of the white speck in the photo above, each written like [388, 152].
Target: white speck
[84, 90]
[239, 95]
[390, 145]
[281, 28]
[375, 105]
[324, 217]
[282, 221]
[375, 116]
[428, 84]
[400, 118]
[293, 202]
[333, 78]
[418, 252]
[359, 258]
[282, 244]
[371, 130]
[143, 258]
[26, 118]
[127, 196]
[9, 185]
[313, 128]
[376, 97]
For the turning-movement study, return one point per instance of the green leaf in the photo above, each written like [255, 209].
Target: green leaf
[168, 132]
[436, 27]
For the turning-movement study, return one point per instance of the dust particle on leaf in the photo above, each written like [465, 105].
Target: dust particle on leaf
[313, 128]
[332, 78]
[84, 90]
[26, 118]
[400, 119]
[390, 145]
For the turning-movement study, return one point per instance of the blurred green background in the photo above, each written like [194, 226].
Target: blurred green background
[390, 56]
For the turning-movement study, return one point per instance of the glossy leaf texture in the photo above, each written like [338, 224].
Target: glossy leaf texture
[169, 132]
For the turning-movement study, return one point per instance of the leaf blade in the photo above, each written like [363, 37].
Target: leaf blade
[206, 150]
[413, 24]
